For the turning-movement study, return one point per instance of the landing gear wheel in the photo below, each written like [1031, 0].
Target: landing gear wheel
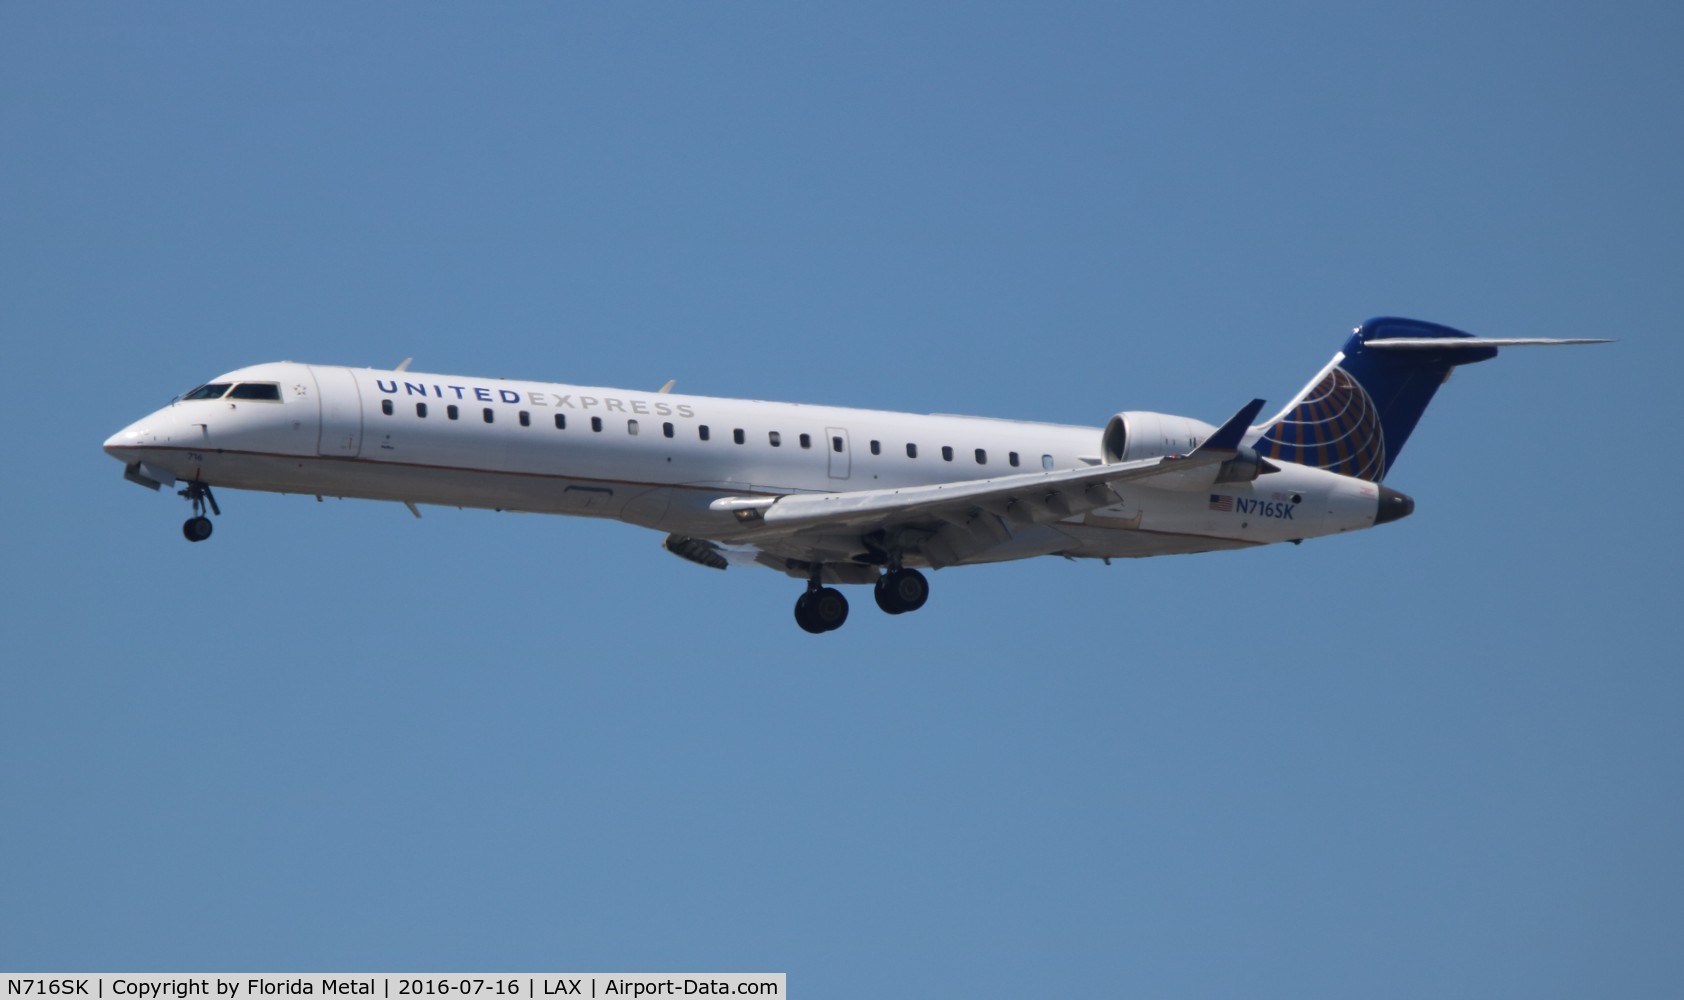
[830, 608]
[821, 610]
[198, 527]
[901, 590]
[804, 616]
[885, 600]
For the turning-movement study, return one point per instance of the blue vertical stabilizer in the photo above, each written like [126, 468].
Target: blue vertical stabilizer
[1355, 417]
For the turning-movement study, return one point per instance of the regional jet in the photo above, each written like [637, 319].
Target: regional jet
[828, 495]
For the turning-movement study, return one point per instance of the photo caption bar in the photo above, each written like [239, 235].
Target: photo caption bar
[390, 985]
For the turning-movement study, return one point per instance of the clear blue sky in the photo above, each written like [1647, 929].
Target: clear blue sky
[1441, 758]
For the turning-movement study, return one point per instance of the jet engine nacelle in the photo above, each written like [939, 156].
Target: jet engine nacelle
[1137, 434]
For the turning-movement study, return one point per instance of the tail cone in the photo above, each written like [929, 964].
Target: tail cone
[1393, 506]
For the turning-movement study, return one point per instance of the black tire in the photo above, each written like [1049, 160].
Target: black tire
[828, 608]
[804, 615]
[196, 529]
[886, 597]
[906, 589]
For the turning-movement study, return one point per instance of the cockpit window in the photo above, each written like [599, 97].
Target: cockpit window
[212, 391]
[257, 390]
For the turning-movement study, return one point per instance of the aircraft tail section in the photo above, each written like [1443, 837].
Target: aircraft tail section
[1355, 415]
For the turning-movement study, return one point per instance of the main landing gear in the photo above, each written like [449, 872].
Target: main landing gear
[821, 608]
[824, 609]
[198, 527]
[901, 590]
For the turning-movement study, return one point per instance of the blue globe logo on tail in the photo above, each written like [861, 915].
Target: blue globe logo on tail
[1335, 426]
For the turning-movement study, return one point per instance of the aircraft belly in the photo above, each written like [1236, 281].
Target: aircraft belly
[1110, 543]
[366, 480]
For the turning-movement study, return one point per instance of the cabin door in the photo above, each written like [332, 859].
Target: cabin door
[342, 412]
[837, 440]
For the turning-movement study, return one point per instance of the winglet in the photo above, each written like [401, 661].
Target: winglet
[1229, 435]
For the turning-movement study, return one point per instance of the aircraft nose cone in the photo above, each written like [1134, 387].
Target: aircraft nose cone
[132, 436]
[1394, 506]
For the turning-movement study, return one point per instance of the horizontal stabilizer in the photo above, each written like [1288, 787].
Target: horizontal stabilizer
[1455, 343]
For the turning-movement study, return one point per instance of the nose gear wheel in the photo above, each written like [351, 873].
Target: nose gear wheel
[198, 527]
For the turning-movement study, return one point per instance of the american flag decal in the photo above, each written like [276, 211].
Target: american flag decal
[1222, 503]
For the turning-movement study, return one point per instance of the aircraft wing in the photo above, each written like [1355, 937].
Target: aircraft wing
[949, 522]
[946, 523]
[1028, 497]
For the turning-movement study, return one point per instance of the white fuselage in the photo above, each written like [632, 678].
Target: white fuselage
[660, 460]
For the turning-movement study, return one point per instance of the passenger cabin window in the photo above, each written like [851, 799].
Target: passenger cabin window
[421, 409]
[774, 438]
[452, 412]
[1046, 461]
[947, 453]
[212, 391]
[525, 419]
[596, 424]
[737, 436]
[806, 440]
[631, 428]
[490, 414]
[267, 391]
[702, 431]
[1011, 458]
[561, 421]
[911, 450]
[981, 457]
[666, 429]
[386, 407]
[876, 447]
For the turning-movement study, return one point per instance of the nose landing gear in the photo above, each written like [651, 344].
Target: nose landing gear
[198, 527]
